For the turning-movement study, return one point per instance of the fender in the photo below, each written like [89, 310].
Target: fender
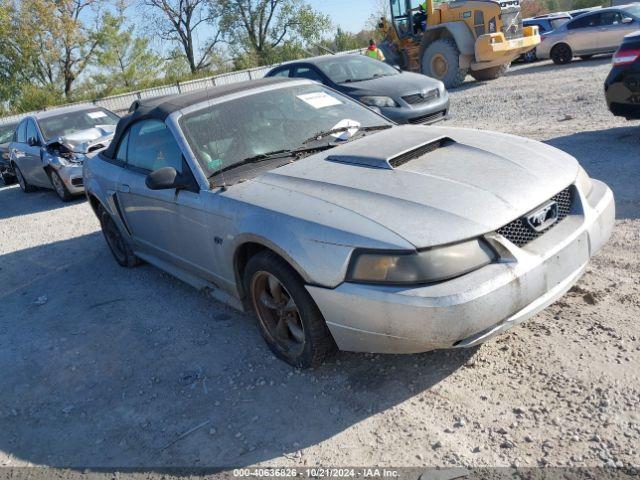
[459, 31]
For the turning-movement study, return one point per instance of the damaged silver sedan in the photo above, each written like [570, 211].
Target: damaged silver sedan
[340, 229]
[49, 147]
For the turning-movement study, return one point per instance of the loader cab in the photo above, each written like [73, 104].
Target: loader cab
[402, 18]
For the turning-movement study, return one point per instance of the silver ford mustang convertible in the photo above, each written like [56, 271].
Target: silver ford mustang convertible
[339, 229]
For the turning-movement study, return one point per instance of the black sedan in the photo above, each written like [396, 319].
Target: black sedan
[622, 86]
[403, 97]
[6, 134]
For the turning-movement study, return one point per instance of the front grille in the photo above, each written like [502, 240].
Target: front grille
[427, 118]
[519, 233]
[512, 24]
[419, 98]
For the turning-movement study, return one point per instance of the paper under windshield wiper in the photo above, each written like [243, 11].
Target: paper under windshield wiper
[321, 135]
[270, 156]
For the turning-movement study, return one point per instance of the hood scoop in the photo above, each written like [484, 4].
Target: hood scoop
[389, 163]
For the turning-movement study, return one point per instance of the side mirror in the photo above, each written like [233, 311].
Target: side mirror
[167, 178]
[627, 20]
[33, 142]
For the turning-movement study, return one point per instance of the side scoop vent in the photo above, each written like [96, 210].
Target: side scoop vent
[422, 150]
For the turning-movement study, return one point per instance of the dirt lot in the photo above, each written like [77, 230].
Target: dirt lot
[103, 366]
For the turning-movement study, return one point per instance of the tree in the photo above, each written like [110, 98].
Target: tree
[124, 58]
[48, 42]
[180, 21]
[261, 26]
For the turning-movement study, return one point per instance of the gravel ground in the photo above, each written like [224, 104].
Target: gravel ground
[107, 367]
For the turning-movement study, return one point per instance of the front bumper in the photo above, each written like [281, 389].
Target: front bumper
[431, 112]
[494, 47]
[72, 178]
[473, 308]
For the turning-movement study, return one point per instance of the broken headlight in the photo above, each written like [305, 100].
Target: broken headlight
[427, 266]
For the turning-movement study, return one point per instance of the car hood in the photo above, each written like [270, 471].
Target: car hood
[86, 141]
[395, 86]
[448, 184]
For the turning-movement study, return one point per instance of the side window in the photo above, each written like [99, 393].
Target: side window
[610, 18]
[585, 21]
[282, 73]
[151, 146]
[32, 133]
[121, 154]
[21, 132]
[308, 72]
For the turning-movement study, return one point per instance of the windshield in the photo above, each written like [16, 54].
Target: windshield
[355, 69]
[6, 132]
[71, 122]
[227, 133]
[633, 10]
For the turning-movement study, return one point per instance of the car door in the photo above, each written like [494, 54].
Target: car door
[583, 32]
[27, 156]
[168, 225]
[613, 30]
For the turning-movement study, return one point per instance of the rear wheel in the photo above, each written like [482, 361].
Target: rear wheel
[490, 73]
[24, 185]
[441, 60]
[8, 179]
[561, 54]
[117, 243]
[59, 186]
[289, 319]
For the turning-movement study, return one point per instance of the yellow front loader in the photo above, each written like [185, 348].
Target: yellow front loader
[451, 39]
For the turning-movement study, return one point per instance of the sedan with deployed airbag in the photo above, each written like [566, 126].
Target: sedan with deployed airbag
[340, 229]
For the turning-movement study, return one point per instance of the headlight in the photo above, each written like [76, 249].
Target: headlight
[5, 155]
[584, 182]
[428, 266]
[379, 101]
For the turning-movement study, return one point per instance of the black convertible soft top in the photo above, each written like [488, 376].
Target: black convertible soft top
[159, 108]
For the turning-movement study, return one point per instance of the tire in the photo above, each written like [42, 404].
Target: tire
[8, 179]
[561, 54]
[441, 60]
[288, 318]
[530, 56]
[490, 73]
[117, 243]
[24, 185]
[586, 57]
[59, 187]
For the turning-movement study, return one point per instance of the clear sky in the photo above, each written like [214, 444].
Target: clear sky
[350, 15]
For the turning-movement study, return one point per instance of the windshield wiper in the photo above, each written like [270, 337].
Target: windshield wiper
[321, 135]
[286, 153]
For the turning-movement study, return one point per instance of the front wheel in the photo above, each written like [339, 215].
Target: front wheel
[441, 60]
[490, 73]
[59, 186]
[289, 319]
[561, 54]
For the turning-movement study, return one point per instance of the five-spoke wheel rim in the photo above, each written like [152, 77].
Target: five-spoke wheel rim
[277, 313]
[57, 184]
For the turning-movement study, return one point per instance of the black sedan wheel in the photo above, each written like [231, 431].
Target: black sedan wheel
[289, 319]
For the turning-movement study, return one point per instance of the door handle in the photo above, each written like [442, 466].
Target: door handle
[125, 188]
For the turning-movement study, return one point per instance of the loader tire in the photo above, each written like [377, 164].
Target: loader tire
[490, 73]
[441, 60]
